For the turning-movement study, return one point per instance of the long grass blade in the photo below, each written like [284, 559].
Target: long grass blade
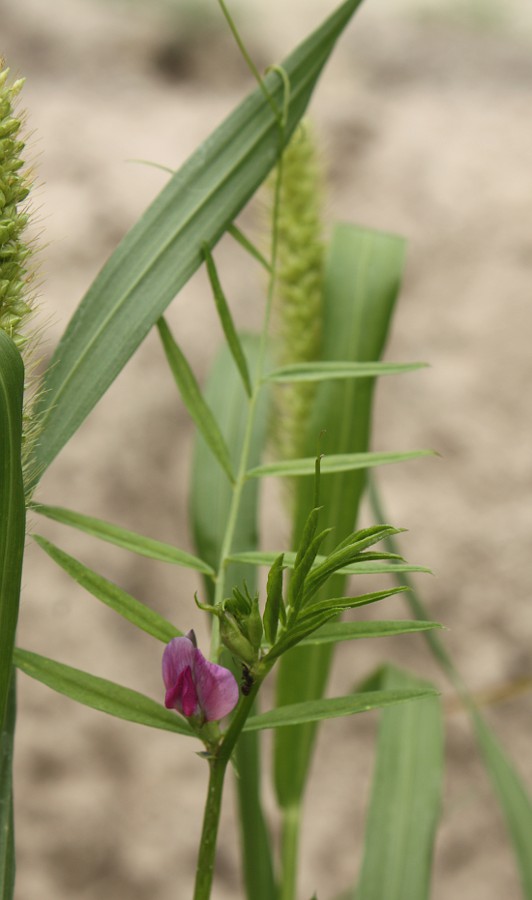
[12, 506]
[513, 796]
[510, 788]
[163, 249]
[7, 841]
[361, 283]
[406, 796]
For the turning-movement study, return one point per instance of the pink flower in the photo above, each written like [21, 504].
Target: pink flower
[194, 686]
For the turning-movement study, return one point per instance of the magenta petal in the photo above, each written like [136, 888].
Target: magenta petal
[178, 654]
[216, 688]
[188, 698]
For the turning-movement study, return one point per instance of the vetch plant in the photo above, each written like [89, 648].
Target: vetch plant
[332, 303]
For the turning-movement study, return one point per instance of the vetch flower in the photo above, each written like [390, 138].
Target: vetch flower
[196, 687]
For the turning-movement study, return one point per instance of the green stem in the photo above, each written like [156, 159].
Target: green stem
[213, 805]
[240, 479]
[289, 852]
[247, 58]
[211, 819]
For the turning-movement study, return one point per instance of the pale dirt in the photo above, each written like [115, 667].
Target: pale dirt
[425, 124]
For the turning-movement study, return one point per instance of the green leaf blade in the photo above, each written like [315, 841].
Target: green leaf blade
[362, 277]
[224, 314]
[512, 793]
[7, 841]
[513, 796]
[163, 249]
[336, 632]
[265, 558]
[12, 506]
[406, 796]
[331, 370]
[318, 710]
[210, 506]
[99, 693]
[109, 593]
[122, 537]
[193, 399]
[340, 462]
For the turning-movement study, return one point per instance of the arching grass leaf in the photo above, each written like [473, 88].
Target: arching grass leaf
[12, 506]
[406, 796]
[7, 842]
[163, 249]
[362, 277]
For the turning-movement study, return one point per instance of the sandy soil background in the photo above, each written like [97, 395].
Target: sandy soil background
[424, 119]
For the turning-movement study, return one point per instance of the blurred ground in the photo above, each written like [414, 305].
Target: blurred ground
[424, 118]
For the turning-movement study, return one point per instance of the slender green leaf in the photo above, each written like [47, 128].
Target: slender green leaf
[210, 492]
[362, 277]
[513, 797]
[193, 399]
[324, 371]
[210, 505]
[512, 792]
[340, 462]
[110, 594]
[248, 246]
[346, 554]
[335, 632]
[298, 581]
[120, 537]
[12, 506]
[341, 603]
[231, 336]
[317, 710]
[264, 558]
[163, 249]
[300, 630]
[274, 608]
[7, 843]
[406, 796]
[98, 693]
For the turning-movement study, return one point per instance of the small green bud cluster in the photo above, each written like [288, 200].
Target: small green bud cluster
[255, 641]
[241, 628]
[14, 188]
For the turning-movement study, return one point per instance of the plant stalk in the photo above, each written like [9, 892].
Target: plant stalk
[289, 852]
[211, 817]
